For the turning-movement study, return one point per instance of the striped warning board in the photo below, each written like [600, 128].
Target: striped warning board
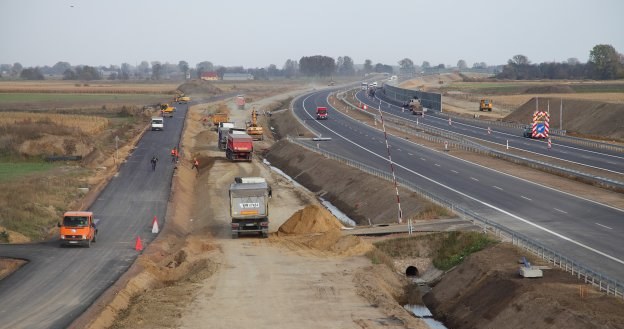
[541, 124]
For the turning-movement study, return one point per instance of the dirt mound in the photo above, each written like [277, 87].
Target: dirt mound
[199, 87]
[556, 89]
[311, 219]
[580, 117]
[486, 291]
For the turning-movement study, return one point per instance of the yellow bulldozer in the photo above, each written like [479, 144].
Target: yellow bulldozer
[486, 105]
[253, 129]
[181, 98]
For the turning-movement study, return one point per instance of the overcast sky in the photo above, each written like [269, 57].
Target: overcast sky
[260, 33]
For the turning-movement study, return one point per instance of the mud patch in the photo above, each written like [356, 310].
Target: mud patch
[10, 265]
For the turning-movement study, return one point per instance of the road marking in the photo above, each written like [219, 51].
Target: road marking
[437, 165]
[423, 159]
[559, 210]
[455, 171]
[522, 196]
[409, 153]
[604, 226]
[496, 187]
[474, 179]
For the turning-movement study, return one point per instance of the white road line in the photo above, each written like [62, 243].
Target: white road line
[604, 226]
[423, 159]
[498, 188]
[409, 154]
[522, 196]
[559, 210]
[474, 179]
[455, 171]
[437, 165]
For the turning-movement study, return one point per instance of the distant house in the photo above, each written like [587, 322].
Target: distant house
[237, 76]
[209, 76]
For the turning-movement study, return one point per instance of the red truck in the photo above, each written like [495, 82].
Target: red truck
[321, 113]
[239, 147]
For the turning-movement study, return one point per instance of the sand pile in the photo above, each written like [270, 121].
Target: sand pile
[314, 227]
[199, 87]
[311, 219]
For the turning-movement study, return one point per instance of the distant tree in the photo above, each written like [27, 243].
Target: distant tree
[126, 70]
[440, 66]
[317, 65]
[143, 70]
[16, 69]
[204, 66]
[383, 68]
[31, 74]
[406, 67]
[481, 65]
[184, 67]
[368, 66]
[157, 70]
[220, 71]
[87, 73]
[519, 60]
[273, 71]
[461, 64]
[114, 76]
[60, 67]
[290, 68]
[69, 74]
[425, 65]
[347, 67]
[573, 61]
[606, 62]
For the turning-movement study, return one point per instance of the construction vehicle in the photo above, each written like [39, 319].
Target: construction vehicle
[78, 228]
[240, 102]
[239, 147]
[253, 129]
[486, 105]
[158, 123]
[182, 99]
[222, 130]
[415, 106]
[217, 118]
[249, 206]
[167, 110]
[321, 113]
[527, 131]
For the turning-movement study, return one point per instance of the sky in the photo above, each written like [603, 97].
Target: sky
[259, 33]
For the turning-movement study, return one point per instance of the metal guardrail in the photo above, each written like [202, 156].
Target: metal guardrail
[460, 142]
[589, 276]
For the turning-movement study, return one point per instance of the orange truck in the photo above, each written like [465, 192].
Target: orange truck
[78, 228]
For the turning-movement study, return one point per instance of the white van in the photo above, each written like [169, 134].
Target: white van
[158, 123]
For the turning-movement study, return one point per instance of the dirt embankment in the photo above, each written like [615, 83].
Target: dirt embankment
[580, 117]
[485, 291]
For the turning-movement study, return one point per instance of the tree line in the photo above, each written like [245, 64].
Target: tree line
[604, 63]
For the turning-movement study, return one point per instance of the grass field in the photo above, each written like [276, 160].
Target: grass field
[12, 170]
[60, 86]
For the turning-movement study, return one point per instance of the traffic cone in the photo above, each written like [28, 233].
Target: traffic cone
[138, 245]
[155, 225]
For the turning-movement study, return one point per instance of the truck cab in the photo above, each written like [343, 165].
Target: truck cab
[78, 228]
[321, 113]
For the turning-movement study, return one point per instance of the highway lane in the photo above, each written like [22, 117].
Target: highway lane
[58, 284]
[608, 161]
[582, 229]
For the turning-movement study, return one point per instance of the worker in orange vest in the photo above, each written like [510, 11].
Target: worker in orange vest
[195, 164]
[174, 152]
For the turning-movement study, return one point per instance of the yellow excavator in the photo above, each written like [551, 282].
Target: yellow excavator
[253, 129]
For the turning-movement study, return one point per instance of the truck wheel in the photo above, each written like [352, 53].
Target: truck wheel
[89, 243]
[94, 236]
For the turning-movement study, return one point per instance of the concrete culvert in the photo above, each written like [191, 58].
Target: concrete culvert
[411, 271]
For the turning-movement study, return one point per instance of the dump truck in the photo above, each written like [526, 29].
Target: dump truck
[78, 228]
[240, 102]
[486, 105]
[167, 110]
[321, 113]
[181, 98]
[239, 147]
[249, 206]
[415, 106]
[222, 130]
[253, 129]
[220, 117]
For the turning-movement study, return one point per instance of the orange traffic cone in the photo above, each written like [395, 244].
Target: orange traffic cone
[138, 245]
[155, 225]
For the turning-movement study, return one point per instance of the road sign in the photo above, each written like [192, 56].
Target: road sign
[549, 144]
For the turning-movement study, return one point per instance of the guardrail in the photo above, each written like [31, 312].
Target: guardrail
[589, 276]
[457, 141]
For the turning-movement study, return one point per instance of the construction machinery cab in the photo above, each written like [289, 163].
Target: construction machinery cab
[485, 105]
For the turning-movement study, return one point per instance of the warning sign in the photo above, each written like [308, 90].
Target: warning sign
[541, 124]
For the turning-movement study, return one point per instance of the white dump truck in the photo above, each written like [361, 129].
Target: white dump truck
[249, 206]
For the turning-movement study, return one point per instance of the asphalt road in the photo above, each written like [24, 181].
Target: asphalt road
[58, 284]
[579, 228]
[605, 160]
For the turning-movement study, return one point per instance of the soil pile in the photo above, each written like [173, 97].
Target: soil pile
[311, 219]
[199, 87]
[580, 117]
[485, 291]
